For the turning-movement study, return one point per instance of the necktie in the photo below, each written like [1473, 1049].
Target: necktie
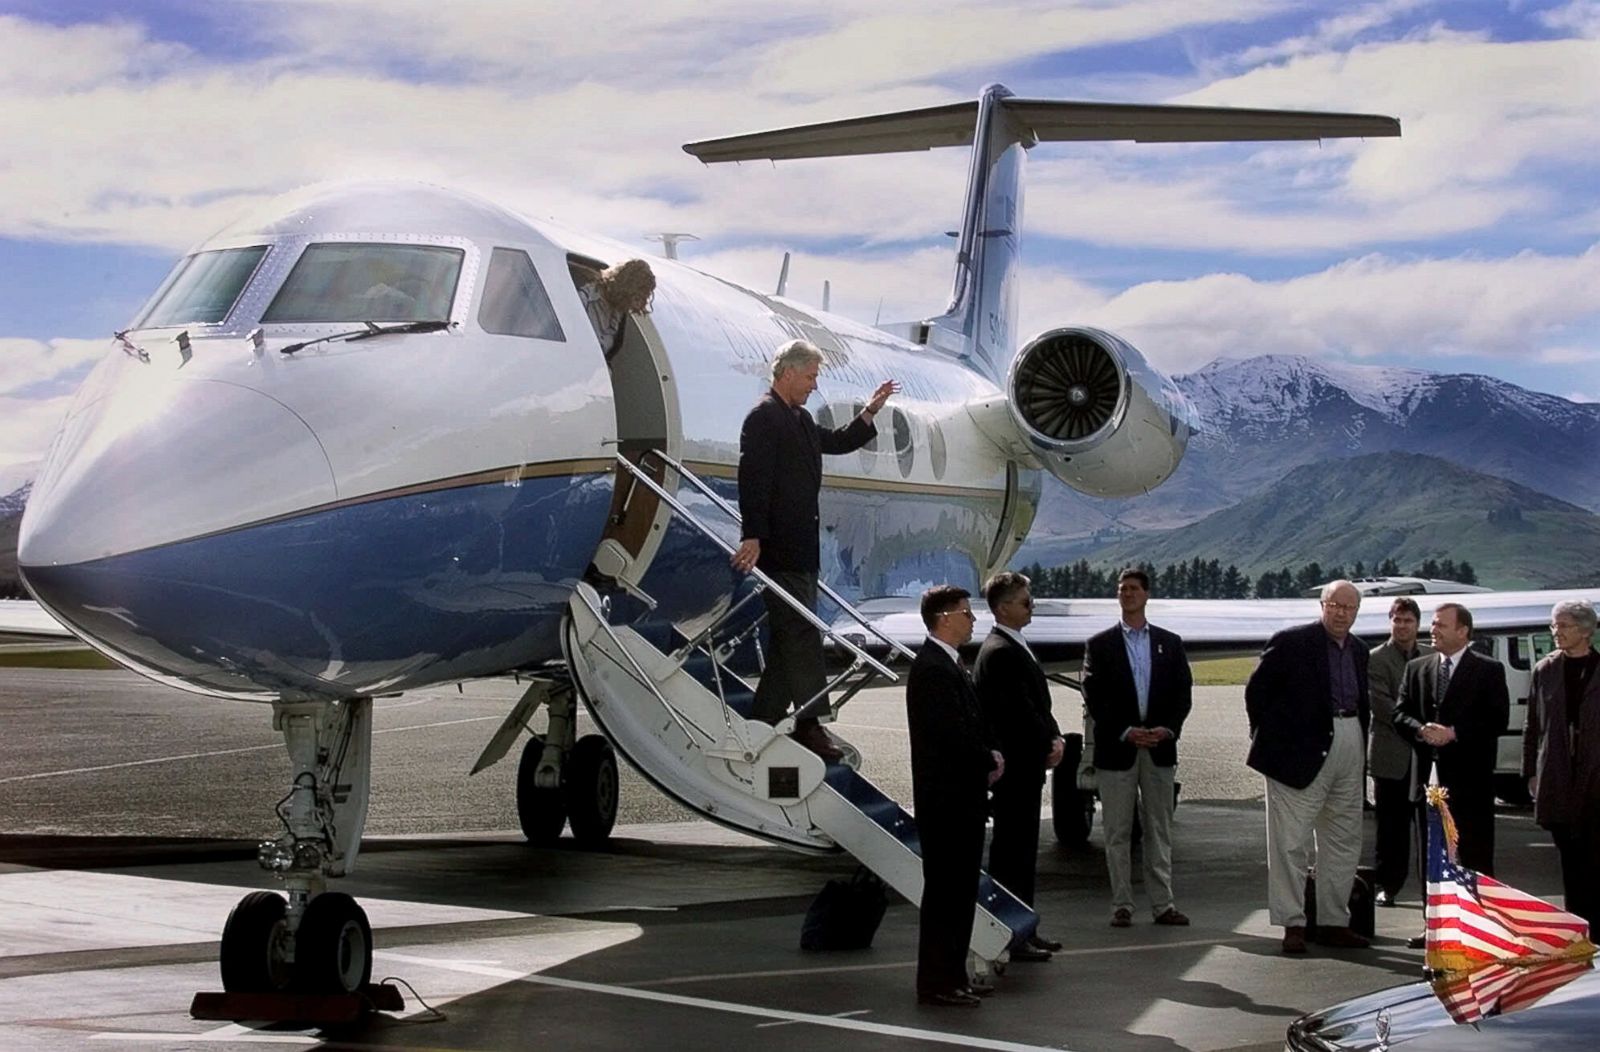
[1444, 679]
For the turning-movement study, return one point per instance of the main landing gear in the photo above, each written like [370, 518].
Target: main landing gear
[309, 940]
[566, 780]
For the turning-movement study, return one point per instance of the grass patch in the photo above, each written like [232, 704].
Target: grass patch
[1223, 672]
[55, 658]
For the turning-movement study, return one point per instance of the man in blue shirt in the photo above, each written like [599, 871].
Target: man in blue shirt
[1138, 690]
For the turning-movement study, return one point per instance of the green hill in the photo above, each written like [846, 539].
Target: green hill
[1388, 505]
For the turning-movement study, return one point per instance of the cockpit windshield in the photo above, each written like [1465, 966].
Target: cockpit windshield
[203, 288]
[353, 282]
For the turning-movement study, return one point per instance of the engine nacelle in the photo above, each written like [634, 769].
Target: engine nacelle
[1088, 408]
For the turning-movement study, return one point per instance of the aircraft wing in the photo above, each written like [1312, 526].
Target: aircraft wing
[1061, 626]
[26, 620]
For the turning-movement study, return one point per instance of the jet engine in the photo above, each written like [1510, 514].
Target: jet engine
[1085, 406]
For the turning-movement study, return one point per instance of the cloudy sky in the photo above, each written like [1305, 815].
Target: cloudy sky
[131, 131]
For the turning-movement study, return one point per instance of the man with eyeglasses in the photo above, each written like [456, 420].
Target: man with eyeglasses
[952, 767]
[1016, 701]
[1308, 708]
[1561, 753]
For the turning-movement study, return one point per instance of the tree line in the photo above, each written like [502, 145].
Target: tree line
[1209, 579]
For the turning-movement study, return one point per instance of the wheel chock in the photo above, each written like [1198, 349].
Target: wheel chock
[321, 1009]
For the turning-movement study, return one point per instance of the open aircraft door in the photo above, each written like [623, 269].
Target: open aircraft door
[646, 401]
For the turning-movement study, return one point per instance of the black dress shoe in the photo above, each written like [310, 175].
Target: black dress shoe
[1383, 898]
[979, 987]
[1039, 942]
[949, 999]
[1029, 952]
[1417, 942]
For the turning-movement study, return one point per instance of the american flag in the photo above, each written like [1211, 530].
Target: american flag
[1474, 920]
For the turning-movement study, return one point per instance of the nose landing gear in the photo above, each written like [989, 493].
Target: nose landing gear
[307, 956]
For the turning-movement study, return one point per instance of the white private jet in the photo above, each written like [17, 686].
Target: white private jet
[366, 440]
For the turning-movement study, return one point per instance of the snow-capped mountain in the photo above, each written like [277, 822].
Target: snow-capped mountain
[1263, 417]
[12, 503]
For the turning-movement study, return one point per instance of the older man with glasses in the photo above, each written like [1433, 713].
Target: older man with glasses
[1561, 753]
[1308, 708]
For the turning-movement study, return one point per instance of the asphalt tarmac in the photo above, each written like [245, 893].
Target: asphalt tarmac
[128, 814]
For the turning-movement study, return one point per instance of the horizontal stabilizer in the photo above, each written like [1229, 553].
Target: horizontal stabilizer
[1040, 120]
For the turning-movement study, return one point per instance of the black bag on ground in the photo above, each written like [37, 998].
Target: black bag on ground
[845, 914]
[1362, 890]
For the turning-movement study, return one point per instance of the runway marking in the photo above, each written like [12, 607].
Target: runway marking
[778, 1014]
[231, 1033]
[220, 752]
[785, 973]
[791, 1022]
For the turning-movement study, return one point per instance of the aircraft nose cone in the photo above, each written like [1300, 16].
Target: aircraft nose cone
[159, 462]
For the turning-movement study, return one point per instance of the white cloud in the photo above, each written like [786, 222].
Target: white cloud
[27, 426]
[163, 153]
[1580, 396]
[1330, 33]
[1368, 308]
[29, 363]
[1474, 114]
[1580, 16]
[47, 59]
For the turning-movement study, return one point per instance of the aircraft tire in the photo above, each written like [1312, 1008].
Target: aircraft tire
[251, 956]
[590, 786]
[1072, 808]
[541, 812]
[333, 947]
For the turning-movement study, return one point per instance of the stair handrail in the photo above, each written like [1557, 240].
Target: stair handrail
[694, 520]
[640, 675]
[733, 513]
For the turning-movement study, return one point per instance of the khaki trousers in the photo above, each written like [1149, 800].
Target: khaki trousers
[1149, 788]
[1320, 822]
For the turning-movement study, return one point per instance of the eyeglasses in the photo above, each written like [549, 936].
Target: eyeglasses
[969, 613]
[1343, 608]
[1027, 602]
[1557, 626]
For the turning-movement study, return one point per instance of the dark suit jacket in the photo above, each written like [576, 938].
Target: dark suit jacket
[950, 746]
[1476, 704]
[780, 475]
[1016, 702]
[1287, 701]
[1113, 702]
[1567, 764]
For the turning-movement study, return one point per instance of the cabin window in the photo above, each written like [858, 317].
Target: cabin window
[203, 288]
[353, 282]
[514, 300]
[904, 450]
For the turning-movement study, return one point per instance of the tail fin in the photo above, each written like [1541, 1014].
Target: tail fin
[980, 322]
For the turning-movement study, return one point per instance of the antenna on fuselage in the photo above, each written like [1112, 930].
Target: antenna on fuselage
[669, 242]
[783, 276]
[827, 294]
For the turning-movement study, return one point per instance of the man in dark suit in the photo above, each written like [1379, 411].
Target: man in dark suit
[780, 476]
[1389, 754]
[952, 766]
[1454, 705]
[1561, 753]
[1016, 702]
[1308, 708]
[1138, 689]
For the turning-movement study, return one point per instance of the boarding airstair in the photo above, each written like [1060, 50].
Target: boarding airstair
[679, 714]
